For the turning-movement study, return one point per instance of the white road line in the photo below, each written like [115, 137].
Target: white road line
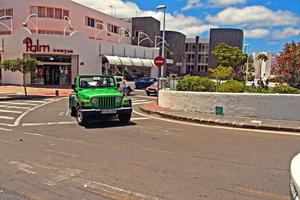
[35, 101]
[5, 129]
[8, 125]
[14, 107]
[11, 111]
[6, 117]
[139, 100]
[18, 103]
[48, 123]
[17, 122]
[67, 112]
[141, 103]
[24, 167]
[219, 127]
[139, 118]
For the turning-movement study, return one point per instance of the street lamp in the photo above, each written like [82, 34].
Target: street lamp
[246, 48]
[27, 20]
[68, 26]
[11, 22]
[146, 38]
[126, 31]
[156, 44]
[163, 8]
[104, 29]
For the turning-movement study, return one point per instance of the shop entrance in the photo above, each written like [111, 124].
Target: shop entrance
[52, 74]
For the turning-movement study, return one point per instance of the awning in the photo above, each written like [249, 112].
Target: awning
[113, 60]
[137, 62]
[147, 62]
[126, 61]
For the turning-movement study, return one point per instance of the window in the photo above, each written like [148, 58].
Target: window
[41, 11]
[6, 12]
[99, 24]
[50, 12]
[34, 10]
[90, 22]
[58, 13]
[65, 13]
[113, 29]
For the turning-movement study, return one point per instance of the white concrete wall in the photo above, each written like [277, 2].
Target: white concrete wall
[271, 106]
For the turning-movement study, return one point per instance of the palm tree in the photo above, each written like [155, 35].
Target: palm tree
[264, 58]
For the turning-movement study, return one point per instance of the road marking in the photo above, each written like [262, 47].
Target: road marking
[11, 111]
[139, 100]
[12, 107]
[8, 125]
[61, 113]
[256, 122]
[67, 112]
[34, 134]
[24, 167]
[218, 127]
[140, 103]
[36, 101]
[5, 129]
[48, 123]
[64, 175]
[62, 153]
[140, 118]
[261, 194]
[18, 103]
[17, 122]
[6, 117]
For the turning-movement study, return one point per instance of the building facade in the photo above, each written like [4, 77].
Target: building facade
[196, 56]
[229, 36]
[68, 40]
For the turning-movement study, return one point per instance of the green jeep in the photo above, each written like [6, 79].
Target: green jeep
[97, 96]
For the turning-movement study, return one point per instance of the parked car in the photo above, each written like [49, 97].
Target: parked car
[97, 96]
[152, 89]
[295, 178]
[144, 82]
[131, 85]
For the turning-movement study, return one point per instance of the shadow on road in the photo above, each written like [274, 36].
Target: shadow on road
[107, 124]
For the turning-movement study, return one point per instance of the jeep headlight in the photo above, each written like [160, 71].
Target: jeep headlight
[118, 99]
[94, 100]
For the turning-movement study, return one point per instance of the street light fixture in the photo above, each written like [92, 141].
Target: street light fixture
[146, 38]
[163, 8]
[126, 31]
[158, 43]
[11, 22]
[68, 26]
[25, 24]
[104, 29]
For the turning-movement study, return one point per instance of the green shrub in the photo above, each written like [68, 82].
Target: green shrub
[196, 83]
[232, 86]
[276, 80]
[285, 89]
[253, 89]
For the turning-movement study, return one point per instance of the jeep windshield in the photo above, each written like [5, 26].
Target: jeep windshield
[96, 82]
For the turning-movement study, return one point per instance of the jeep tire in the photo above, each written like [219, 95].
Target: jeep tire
[124, 117]
[81, 119]
[73, 112]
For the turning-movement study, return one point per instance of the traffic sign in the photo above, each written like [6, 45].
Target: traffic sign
[159, 61]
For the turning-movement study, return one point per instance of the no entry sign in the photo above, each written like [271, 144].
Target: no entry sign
[159, 61]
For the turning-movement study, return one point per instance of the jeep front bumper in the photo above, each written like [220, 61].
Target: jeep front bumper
[101, 112]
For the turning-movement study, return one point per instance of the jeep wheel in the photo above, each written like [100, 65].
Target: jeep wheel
[73, 112]
[124, 118]
[81, 119]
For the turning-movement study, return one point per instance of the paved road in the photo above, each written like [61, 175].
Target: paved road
[48, 156]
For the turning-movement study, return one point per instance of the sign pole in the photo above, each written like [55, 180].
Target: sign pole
[159, 61]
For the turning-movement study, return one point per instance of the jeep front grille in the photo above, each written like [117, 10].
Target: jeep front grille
[107, 102]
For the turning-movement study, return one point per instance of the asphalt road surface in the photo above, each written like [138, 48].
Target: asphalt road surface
[44, 154]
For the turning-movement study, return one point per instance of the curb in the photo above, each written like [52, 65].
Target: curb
[218, 122]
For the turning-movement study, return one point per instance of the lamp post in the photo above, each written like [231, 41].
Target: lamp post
[158, 43]
[139, 37]
[27, 20]
[126, 31]
[11, 22]
[247, 46]
[163, 8]
[69, 25]
[104, 29]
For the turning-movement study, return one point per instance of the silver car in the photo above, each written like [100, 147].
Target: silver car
[295, 178]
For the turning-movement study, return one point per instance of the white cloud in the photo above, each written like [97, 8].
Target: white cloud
[221, 3]
[286, 33]
[189, 25]
[256, 33]
[190, 4]
[253, 16]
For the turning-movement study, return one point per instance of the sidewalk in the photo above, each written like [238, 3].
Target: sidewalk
[17, 92]
[230, 121]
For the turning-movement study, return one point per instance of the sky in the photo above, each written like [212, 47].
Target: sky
[267, 25]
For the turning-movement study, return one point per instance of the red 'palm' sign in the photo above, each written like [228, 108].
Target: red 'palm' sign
[159, 61]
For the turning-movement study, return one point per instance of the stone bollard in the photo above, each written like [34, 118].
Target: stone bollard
[57, 93]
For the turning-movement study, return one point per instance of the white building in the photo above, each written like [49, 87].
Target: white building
[69, 39]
